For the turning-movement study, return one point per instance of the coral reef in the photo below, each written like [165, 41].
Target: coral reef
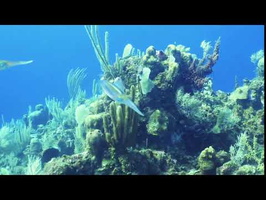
[258, 59]
[178, 124]
[35, 147]
[78, 164]
[158, 123]
[207, 161]
[96, 144]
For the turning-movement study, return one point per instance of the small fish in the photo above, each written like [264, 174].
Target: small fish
[116, 91]
[4, 64]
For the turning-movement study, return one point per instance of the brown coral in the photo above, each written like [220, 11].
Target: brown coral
[196, 73]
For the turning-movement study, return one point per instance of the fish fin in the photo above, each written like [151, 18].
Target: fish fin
[119, 84]
[130, 104]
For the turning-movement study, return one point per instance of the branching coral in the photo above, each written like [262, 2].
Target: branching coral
[226, 120]
[253, 123]
[14, 137]
[197, 71]
[247, 151]
[198, 107]
[101, 54]
[55, 109]
[34, 166]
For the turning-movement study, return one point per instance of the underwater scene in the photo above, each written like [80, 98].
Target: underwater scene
[132, 100]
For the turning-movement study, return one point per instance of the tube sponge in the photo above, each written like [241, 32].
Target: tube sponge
[145, 83]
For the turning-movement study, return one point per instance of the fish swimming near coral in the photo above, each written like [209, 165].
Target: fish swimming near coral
[116, 91]
[4, 64]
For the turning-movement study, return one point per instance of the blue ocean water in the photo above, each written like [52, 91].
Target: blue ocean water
[56, 49]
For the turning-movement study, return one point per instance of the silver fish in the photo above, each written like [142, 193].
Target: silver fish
[4, 64]
[116, 91]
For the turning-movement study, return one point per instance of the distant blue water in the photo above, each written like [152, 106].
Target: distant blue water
[56, 49]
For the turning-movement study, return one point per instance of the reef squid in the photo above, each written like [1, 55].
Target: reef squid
[4, 64]
[116, 91]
